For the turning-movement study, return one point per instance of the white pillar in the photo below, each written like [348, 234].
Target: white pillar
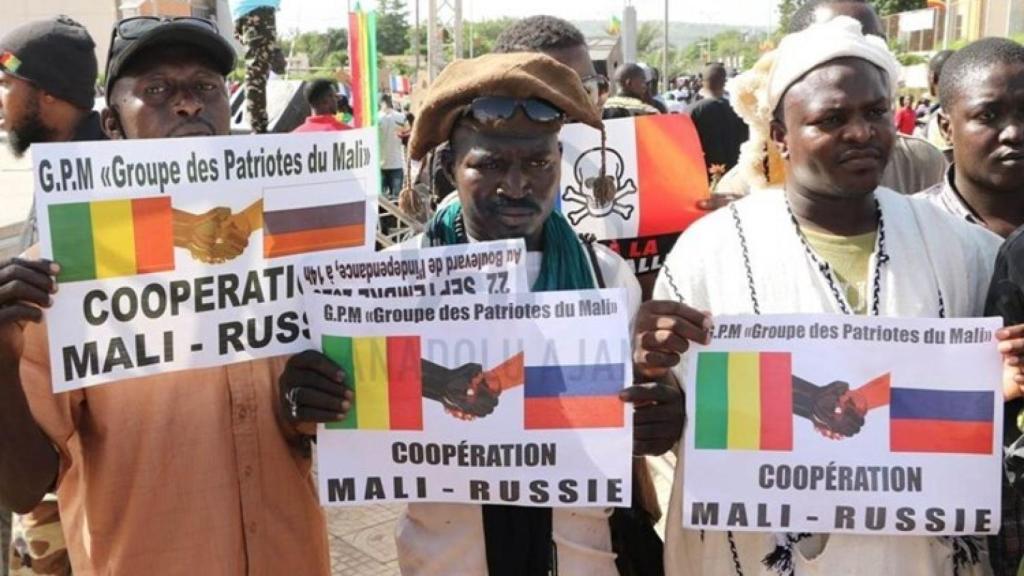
[628, 36]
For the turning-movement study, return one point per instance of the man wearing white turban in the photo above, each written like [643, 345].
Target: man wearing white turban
[833, 241]
[914, 165]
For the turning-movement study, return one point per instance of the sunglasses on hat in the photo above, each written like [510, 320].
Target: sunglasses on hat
[492, 108]
[133, 28]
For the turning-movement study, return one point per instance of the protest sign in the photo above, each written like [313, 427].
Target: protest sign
[485, 399]
[182, 253]
[497, 267]
[655, 169]
[842, 424]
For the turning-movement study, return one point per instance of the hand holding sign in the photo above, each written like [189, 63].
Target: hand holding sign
[1011, 346]
[662, 331]
[658, 417]
[312, 389]
[25, 288]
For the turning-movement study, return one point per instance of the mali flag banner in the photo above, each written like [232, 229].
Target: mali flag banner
[386, 375]
[112, 238]
[744, 401]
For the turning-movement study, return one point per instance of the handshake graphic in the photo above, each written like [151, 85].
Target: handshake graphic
[836, 411]
[468, 392]
[216, 236]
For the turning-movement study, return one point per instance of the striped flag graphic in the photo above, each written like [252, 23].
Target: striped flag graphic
[362, 49]
[585, 396]
[112, 238]
[310, 221]
[941, 421]
[744, 401]
[386, 375]
[9, 62]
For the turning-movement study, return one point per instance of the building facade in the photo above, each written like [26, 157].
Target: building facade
[98, 17]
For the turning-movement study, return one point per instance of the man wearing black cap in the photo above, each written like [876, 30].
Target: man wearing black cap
[47, 87]
[192, 472]
[47, 81]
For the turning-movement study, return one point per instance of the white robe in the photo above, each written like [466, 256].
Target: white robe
[448, 539]
[930, 252]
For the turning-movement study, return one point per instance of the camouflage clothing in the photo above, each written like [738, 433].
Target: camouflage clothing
[37, 543]
[5, 539]
[258, 33]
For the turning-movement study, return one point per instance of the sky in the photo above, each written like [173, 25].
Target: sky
[310, 15]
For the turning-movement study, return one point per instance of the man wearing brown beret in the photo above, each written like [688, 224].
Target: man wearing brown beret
[501, 115]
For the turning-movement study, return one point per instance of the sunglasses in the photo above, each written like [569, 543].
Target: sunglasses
[597, 87]
[133, 28]
[492, 108]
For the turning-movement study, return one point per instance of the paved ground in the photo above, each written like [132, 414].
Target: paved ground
[363, 541]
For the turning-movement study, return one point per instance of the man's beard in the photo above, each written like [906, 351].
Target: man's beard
[29, 131]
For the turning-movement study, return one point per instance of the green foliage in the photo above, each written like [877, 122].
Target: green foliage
[648, 38]
[911, 59]
[724, 46]
[325, 49]
[422, 32]
[483, 35]
[392, 27]
[786, 10]
[887, 7]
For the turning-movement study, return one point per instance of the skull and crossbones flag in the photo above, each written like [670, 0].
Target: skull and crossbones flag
[654, 166]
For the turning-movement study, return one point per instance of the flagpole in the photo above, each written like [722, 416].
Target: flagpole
[416, 42]
[664, 54]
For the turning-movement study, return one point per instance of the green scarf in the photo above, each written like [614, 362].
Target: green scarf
[518, 540]
[563, 266]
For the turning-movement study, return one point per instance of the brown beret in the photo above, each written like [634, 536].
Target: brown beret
[517, 75]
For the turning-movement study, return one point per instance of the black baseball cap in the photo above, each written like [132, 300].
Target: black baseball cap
[133, 35]
[56, 55]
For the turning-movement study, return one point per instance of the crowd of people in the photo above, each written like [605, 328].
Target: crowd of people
[823, 206]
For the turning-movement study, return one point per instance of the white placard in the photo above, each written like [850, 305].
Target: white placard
[925, 459]
[509, 399]
[183, 253]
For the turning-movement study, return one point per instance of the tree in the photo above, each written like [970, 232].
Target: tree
[887, 7]
[786, 10]
[648, 37]
[324, 49]
[392, 28]
[483, 35]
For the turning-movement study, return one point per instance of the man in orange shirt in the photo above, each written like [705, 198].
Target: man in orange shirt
[196, 472]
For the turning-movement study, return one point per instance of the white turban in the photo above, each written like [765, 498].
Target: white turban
[841, 37]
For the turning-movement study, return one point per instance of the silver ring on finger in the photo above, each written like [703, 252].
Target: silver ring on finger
[292, 396]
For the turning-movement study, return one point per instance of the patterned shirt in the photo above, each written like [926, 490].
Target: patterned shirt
[945, 196]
